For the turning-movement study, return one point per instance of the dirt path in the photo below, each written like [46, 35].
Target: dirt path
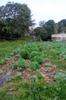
[6, 69]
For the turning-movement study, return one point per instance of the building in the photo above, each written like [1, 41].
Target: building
[59, 37]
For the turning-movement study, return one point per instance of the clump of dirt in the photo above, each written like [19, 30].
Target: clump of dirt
[48, 74]
[27, 62]
[26, 74]
[7, 66]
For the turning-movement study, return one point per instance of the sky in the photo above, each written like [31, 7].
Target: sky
[44, 9]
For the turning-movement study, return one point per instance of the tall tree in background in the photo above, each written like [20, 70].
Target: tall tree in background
[50, 27]
[16, 19]
[46, 29]
[41, 33]
[62, 26]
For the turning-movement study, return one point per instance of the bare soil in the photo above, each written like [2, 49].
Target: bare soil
[26, 74]
[6, 69]
[48, 74]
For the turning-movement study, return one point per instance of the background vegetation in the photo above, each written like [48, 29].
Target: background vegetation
[16, 22]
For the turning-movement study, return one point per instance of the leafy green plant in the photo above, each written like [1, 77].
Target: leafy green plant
[34, 65]
[34, 53]
[24, 53]
[38, 59]
[65, 59]
[15, 51]
[20, 64]
[2, 61]
[60, 75]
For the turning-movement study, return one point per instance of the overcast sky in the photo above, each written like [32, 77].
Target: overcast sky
[44, 9]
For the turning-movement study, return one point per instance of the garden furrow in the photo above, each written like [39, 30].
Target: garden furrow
[6, 69]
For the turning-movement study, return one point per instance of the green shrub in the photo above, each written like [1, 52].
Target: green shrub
[20, 64]
[34, 65]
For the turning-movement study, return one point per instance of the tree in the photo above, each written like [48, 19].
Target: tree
[47, 29]
[41, 23]
[41, 33]
[62, 26]
[50, 27]
[17, 18]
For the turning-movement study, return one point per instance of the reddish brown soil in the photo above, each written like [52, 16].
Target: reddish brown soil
[5, 67]
[48, 75]
[26, 74]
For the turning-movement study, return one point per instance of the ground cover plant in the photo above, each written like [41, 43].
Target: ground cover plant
[32, 70]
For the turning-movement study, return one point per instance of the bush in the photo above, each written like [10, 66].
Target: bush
[41, 33]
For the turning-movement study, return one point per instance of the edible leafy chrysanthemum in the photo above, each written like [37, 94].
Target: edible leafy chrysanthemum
[20, 64]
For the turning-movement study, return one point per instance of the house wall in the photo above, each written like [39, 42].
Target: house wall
[59, 37]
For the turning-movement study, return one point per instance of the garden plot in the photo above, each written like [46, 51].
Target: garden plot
[33, 71]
